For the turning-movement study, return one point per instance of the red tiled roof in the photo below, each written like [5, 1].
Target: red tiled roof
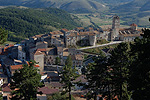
[46, 90]
[6, 88]
[64, 29]
[81, 78]
[79, 28]
[15, 67]
[36, 66]
[56, 84]
[56, 33]
[133, 24]
[41, 49]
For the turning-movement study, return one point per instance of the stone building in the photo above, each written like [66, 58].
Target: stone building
[125, 34]
[115, 28]
[39, 58]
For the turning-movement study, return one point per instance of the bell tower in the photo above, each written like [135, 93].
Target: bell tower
[115, 27]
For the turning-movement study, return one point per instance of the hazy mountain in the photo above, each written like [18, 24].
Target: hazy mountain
[68, 5]
[78, 6]
[133, 6]
[137, 11]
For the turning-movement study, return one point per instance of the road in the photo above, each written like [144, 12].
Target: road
[114, 42]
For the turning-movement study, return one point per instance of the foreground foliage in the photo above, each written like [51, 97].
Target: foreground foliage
[140, 68]
[123, 75]
[25, 83]
[68, 75]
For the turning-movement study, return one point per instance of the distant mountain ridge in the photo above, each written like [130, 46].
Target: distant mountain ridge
[136, 5]
[76, 6]
[137, 11]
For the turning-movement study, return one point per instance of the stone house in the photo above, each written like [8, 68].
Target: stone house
[56, 85]
[76, 56]
[39, 58]
[17, 52]
[41, 44]
[57, 41]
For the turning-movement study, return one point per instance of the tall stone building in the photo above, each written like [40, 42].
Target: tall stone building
[115, 28]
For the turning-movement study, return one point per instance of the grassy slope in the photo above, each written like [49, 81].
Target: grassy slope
[28, 22]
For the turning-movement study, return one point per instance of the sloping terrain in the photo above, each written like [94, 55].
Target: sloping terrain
[83, 6]
[26, 22]
[137, 11]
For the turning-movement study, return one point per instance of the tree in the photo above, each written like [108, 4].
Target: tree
[119, 62]
[57, 61]
[3, 35]
[98, 77]
[25, 83]
[68, 75]
[140, 68]
[69, 61]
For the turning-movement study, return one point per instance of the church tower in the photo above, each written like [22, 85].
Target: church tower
[116, 22]
[115, 27]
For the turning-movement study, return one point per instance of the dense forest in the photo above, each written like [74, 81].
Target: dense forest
[25, 22]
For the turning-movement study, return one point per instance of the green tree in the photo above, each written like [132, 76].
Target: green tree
[3, 35]
[57, 61]
[68, 75]
[98, 77]
[140, 68]
[119, 62]
[68, 61]
[1, 96]
[25, 83]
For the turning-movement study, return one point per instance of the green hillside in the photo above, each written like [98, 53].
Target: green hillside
[26, 22]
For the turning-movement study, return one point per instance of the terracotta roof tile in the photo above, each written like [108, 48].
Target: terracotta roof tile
[64, 29]
[41, 49]
[81, 78]
[56, 84]
[36, 66]
[56, 33]
[6, 88]
[133, 24]
[46, 90]
[80, 28]
[16, 67]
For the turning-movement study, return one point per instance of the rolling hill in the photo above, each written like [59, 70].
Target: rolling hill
[137, 11]
[77, 6]
[26, 22]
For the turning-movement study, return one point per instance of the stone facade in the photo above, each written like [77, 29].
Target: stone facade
[125, 34]
[39, 58]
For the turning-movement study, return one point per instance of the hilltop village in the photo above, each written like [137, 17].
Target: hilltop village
[45, 49]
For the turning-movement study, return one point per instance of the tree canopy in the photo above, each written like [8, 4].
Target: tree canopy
[3, 35]
[25, 22]
[140, 68]
[68, 75]
[25, 83]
